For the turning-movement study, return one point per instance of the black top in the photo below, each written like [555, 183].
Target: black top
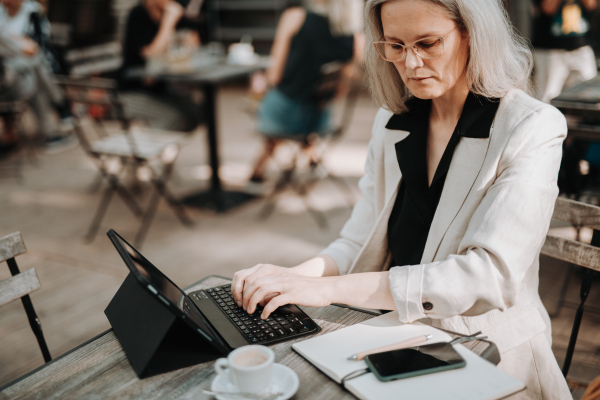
[140, 30]
[567, 29]
[312, 47]
[416, 204]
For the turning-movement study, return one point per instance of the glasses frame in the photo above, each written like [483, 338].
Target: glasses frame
[412, 46]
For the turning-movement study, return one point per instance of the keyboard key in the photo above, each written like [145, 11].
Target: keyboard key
[279, 319]
[291, 329]
[262, 338]
[225, 308]
[209, 290]
[273, 323]
[281, 332]
[218, 289]
[269, 330]
[284, 322]
[261, 323]
[244, 318]
[236, 319]
[259, 335]
[249, 335]
[256, 331]
[254, 340]
[244, 328]
[297, 323]
[271, 334]
[239, 323]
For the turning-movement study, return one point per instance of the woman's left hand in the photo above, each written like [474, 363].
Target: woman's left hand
[287, 288]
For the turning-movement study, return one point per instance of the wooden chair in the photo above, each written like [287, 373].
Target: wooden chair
[311, 148]
[20, 285]
[578, 214]
[126, 149]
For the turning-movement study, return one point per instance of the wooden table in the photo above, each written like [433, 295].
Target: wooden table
[208, 75]
[582, 100]
[99, 369]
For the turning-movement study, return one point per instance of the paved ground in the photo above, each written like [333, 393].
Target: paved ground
[53, 205]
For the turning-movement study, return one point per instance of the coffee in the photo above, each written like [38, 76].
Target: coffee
[250, 359]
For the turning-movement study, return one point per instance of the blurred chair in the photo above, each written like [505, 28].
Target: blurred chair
[306, 165]
[142, 150]
[12, 111]
[588, 257]
[20, 285]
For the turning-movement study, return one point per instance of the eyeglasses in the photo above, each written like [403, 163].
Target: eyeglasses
[426, 48]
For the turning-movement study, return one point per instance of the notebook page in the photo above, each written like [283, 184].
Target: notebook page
[479, 380]
[330, 352]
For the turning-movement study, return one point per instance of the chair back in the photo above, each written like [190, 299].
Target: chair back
[577, 214]
[20, 285]
[330, 81]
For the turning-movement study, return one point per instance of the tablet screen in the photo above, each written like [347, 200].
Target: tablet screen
[160, 285]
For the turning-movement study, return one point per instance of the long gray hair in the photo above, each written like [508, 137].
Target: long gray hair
[499, 58]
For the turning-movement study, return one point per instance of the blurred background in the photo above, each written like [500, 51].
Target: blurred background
[176, 137]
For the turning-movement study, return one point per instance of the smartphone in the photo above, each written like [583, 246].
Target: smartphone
[406, 363]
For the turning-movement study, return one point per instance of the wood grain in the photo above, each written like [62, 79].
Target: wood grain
[577, 213]
[18, 286]
[100, 369]
[572, 252]
[11, 246]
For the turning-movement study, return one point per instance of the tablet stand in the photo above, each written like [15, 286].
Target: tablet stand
[153, 338]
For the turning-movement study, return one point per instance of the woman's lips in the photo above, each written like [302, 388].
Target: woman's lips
[420, 79]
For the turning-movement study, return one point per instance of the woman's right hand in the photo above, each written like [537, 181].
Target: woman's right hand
[249, 275]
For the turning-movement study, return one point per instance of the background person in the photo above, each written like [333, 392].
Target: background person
[151, 29]
[305, 40]
[458, 193]
[563, 55]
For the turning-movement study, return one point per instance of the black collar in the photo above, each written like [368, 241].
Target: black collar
[475, 121]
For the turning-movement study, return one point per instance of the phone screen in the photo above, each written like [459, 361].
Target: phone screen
[439, 356]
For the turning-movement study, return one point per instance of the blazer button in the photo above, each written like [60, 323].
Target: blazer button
[427, 306]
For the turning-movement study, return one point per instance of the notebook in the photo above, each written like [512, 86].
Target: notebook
[479, 380]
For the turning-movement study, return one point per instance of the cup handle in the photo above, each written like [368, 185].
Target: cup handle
[222, 368]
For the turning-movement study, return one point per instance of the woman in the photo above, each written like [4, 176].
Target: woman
[304, 42]
[459, 189]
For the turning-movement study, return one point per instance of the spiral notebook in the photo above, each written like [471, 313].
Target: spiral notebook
[479, 380]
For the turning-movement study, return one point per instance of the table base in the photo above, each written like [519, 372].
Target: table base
[217, 200]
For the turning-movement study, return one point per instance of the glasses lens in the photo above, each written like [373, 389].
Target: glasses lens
[429, 47]
[390, 51]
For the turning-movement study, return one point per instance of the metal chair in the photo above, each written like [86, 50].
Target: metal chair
[588, 257]
[154, 151]
[330, 80]
[20, 285]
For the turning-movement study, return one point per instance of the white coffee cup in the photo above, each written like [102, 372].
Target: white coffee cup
[248, 368]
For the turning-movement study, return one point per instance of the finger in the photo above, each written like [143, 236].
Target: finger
[237, 285]
[252, 283]
[261, 293]
[274, 304]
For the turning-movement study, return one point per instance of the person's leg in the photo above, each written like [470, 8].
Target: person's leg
[582, 64]
[551, 72]
[258, 174]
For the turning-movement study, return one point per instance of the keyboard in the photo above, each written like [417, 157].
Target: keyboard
[282, 324]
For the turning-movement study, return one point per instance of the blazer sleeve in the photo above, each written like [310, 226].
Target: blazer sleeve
[503, 237]
[356, 230]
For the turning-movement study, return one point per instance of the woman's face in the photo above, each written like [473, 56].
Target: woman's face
[405, 21]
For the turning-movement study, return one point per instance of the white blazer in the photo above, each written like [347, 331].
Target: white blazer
[480, 264]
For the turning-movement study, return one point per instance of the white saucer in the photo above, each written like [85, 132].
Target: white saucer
[283, 380]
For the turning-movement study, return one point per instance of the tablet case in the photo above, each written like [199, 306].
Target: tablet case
[153, 338]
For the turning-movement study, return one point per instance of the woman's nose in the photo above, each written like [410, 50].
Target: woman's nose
[412, 60]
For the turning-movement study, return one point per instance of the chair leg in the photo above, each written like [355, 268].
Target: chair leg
[586, 284]
[175, 205]
[147, 220]
[563, 292]
[286, 178]
[303, 189]
[100, 212]
[34, 321]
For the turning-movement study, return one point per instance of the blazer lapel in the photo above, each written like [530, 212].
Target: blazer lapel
[466, 164]
[375, 255]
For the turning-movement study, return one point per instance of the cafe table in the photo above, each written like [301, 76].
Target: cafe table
[582, 101]
[206, 71]
[99, 368]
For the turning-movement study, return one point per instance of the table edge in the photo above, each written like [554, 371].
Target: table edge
[74, 349]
